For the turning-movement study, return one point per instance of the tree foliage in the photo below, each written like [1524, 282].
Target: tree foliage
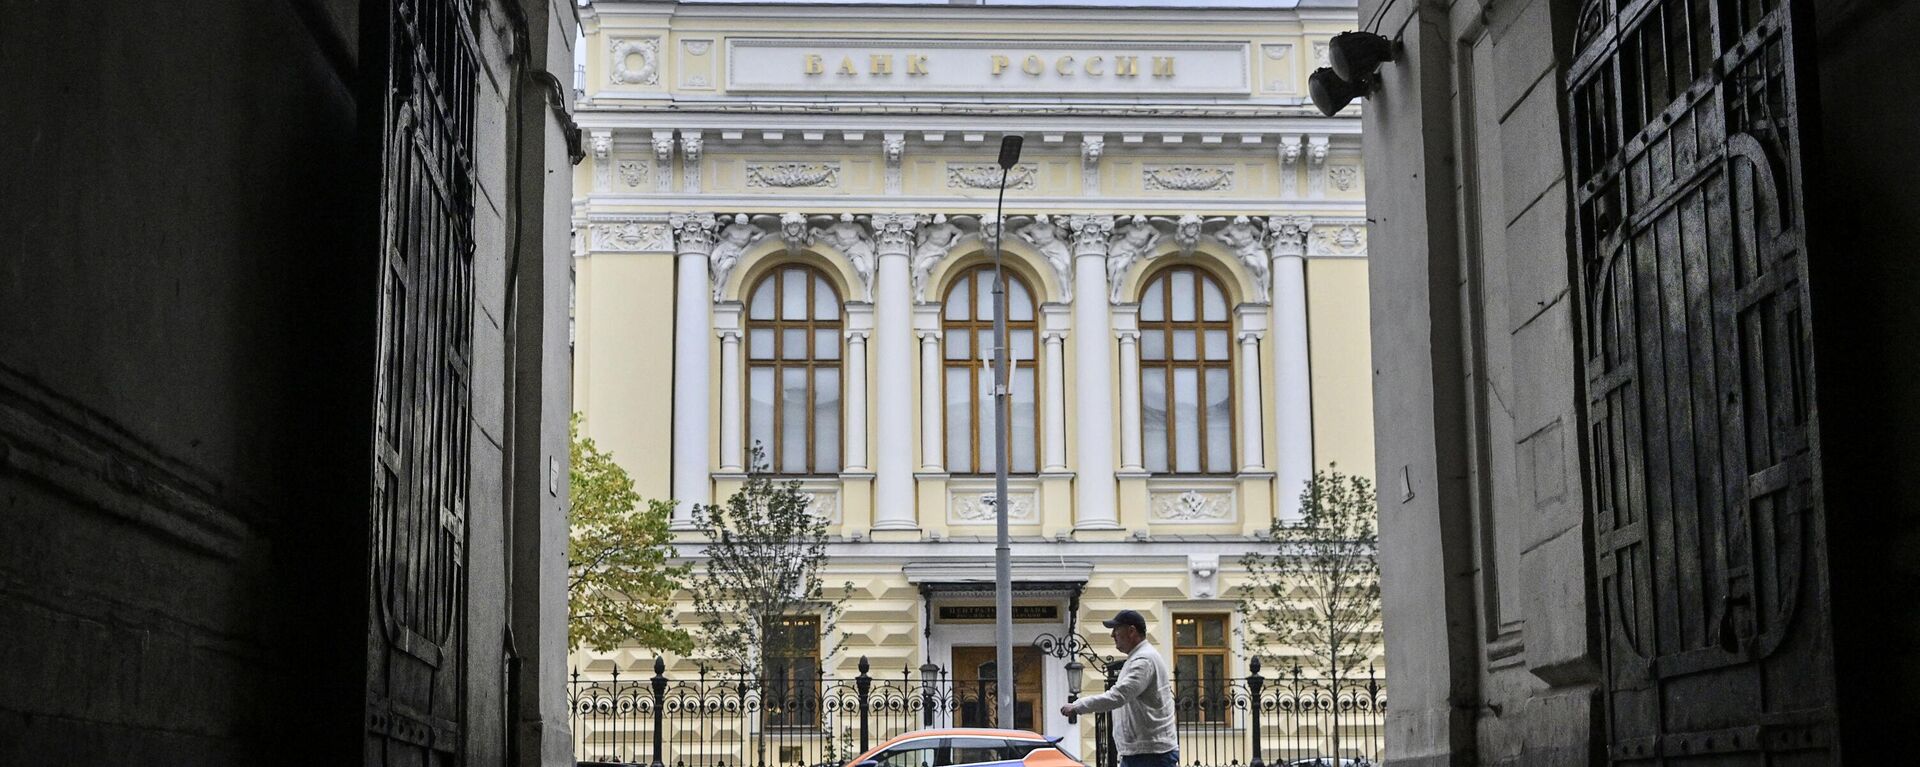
[764, 551]
[1318, 589]
[620, 584]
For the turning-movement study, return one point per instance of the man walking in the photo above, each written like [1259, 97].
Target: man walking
[1141, 699]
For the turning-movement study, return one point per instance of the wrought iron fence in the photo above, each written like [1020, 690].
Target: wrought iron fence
[718, 719]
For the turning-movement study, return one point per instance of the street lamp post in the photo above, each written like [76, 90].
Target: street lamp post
[1002, 550]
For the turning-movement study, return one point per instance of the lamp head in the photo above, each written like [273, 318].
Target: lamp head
[1330, 93]
[1355, 55]
[1010, 151]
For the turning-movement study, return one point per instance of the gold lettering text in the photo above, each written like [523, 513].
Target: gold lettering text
[813, 65]
[879, 65]
[1094, 64]
[846, 66]
[1126, 66]
[1033, 66]
[999, 63]
[916, 64]
[1163, 66]
[1064, 66]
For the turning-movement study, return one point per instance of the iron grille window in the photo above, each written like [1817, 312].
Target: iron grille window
[967, 334]
[1186, 374]
[793, 370]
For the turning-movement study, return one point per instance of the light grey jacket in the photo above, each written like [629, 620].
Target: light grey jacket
[1142, 702]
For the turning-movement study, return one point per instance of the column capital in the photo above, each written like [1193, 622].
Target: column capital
[927, 334]
[1053, 336]
[893, 233]
[1091, 234]
[693, 233]
[1127, 335]
[1250, 336]
[858, 334]
[1289, 235]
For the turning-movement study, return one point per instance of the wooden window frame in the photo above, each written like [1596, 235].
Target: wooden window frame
[779, 363]
[811, 698]
[1162, 281]
[1200, 653]
[977, 366]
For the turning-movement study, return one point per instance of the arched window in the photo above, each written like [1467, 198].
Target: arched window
[793, 370]
[967, 332]
[1186, 374]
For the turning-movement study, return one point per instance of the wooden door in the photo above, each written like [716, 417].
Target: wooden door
[419, 474]
[1708, 524]
[974, 677]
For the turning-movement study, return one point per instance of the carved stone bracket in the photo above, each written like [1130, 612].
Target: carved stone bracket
[663, 159]
[794, 232]
[1092, 146]
[1186, 233]
[601, 143]
[895, 147]
[690, 146]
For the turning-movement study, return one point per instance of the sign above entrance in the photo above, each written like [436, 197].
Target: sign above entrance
[977, 613]
[1040, 68]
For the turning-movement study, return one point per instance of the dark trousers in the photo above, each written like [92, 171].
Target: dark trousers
[1168, 759]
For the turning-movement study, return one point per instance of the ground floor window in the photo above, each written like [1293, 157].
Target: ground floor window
[1200, 668]
[791, 672]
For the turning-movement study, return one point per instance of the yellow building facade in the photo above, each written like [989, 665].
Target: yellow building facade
[781, 228]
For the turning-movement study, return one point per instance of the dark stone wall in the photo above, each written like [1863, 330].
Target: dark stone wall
[184, 329]
[1863, 278]
[188, 273]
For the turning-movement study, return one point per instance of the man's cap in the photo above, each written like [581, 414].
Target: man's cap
[1127, 618]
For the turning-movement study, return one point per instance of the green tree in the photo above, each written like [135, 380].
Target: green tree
[761, 567]
[1318, 588]
[620, 584]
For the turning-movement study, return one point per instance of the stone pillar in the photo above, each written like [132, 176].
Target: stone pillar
[893, 501]
[692, 327]
[1253, 433]
[1293, 386]
[1054, 437]
[932, 452]
[1095, 499]
[855, 402]
[727, 325]
[1131, 461]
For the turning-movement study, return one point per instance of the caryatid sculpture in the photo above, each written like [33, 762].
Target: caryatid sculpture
[1134, 242]
[1245, 237]
[851, 240]
[1044, 236]
[739, 234]
[936, 240]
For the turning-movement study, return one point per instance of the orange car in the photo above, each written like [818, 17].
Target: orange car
[971, 747]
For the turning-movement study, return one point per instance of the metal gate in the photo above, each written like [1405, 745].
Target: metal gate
[1708, 528]
[415, 674]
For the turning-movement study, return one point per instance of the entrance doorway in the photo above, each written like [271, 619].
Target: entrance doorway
[974, 672]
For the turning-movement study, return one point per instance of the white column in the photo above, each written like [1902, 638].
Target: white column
[1130, 459]
[932, 456]
[893, 501]
[1293, 386]
[1095, 498]
[1253, 454]
[856, 401]
[730, 432]
[692, 327]
[1055, 436]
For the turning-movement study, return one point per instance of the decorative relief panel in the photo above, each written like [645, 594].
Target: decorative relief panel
[1191, 506]
[1280, 71]
[631, 236]
[794, 175]
[987, 176]
[1343, 177]
[634, 61]
[696, 67]
[1338, 240]
[1186, 178]
[971, 507]
[822, 502]
[632, 173]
